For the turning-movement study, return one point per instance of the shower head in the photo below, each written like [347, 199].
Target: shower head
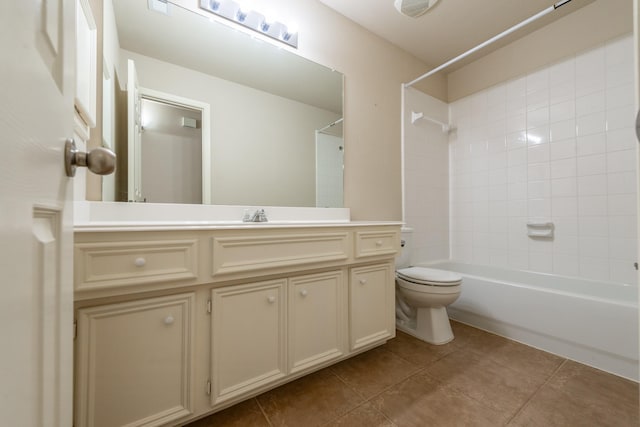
[414, 8]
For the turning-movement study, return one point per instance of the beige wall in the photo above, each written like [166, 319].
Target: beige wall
[589, 26]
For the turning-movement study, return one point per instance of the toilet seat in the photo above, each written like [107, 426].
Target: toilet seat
[422, 276]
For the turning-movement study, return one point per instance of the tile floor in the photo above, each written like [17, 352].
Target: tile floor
[479, 379]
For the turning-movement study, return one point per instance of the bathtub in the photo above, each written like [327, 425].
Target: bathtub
[595, 323]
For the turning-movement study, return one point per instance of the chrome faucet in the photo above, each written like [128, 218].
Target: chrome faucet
[258, 216]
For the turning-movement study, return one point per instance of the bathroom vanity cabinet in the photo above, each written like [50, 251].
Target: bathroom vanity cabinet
[175, 323]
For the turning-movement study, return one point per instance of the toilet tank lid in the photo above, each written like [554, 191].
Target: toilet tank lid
[429, 274]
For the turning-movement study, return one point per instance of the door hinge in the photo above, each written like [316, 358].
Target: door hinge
[208, 388]
[209, 306]
[75, 329]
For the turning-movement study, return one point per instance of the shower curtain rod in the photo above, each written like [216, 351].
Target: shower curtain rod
[488, 42]
[331, 124]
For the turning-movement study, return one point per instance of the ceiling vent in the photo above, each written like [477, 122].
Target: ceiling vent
[414, 8]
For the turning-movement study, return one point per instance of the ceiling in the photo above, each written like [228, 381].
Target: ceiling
[451, 27]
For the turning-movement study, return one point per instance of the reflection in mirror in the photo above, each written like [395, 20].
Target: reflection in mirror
[275, 136]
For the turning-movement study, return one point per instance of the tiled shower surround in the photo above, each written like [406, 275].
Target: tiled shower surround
[555, 145]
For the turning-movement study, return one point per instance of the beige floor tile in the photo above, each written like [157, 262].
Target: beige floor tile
[485, 380]
[364, 415]
[373, 371]
[244, 414]
[417, 351]
[580, 395]
[422, 401]
[514, 355]
[313, 400]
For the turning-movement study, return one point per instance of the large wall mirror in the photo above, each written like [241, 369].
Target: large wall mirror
[199, 112]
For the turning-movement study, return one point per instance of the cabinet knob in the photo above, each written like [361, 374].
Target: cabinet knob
[304, 293]
[169, 320]
[362, 281]
[271, 299]
[140, 262]
[378, 242]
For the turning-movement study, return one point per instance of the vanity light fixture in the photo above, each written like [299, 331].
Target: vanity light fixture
[231, 11]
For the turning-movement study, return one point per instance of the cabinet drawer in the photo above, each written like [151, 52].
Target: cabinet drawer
[239, 254]
[373, 243]
[107, 264]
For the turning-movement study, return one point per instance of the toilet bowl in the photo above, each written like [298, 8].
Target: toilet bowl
[422, 297]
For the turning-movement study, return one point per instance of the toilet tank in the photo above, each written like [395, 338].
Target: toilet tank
[403, 260]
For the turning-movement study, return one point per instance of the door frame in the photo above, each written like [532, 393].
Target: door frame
[205, 111]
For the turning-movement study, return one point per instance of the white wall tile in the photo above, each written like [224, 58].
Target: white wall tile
[538, 117]
[622, 182]
[562, 149]
[592, 205]
[621, 139]
[621, 161]
[537, 99]
[538, 153]
[562, 92]
[623, 249]
[622, 204]
[566, 245]
[562, 111]
[516, 140]
[620, 96]
[537, 81]
[564, 187]
[539, 208]
[594, 268]
[621, 117]
[593, 226]
[541, 262]
[563, 168]
[623, 272]
[562, 72]
[566, 265]
[591, 123]
[592, 185]
[592, 144]
[557, 144]
[540, 171]
[563, 130]
[592, 165]
[539, 189]
[623, 226]
[564, 206]
[590, 71]
[591, 103]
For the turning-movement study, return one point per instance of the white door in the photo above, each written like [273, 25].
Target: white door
[36, 116]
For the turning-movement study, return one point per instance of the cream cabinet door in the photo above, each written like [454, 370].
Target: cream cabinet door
[135, 362]
[248, 338]
[316, 325]
[371, 305]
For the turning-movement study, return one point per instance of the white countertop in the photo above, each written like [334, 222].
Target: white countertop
[109, 216]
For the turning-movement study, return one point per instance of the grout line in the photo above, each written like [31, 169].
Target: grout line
[535, 393]
[264, 413]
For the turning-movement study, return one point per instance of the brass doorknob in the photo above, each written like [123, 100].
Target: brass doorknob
[100, 161]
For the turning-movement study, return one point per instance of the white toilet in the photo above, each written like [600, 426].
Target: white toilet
[422, 297]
